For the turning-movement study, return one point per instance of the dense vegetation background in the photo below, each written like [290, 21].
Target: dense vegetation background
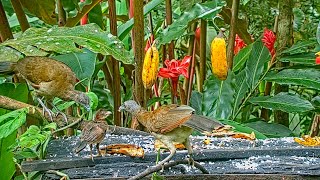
[272, 87]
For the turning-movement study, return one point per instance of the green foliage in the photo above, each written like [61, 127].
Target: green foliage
[284, 102]
[198, 11]
[82, 64]
[43, 9]
[33, 143]
[12, 121]
[256, 64]
[38, 41]
[125, 28]
[271, 130]
[243, 128]
[304, 77]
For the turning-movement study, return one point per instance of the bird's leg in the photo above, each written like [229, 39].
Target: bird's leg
[190, 151]
[59, 112]
[91, 152]
[98, 149]
[166, 141]
[45, 109]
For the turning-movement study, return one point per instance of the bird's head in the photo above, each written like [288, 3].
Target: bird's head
[83, 100]
[130, 106]
[102, 114]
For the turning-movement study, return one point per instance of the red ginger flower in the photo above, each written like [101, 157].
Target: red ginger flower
[238, 44]
[174, 69]
[317, 58]
[269, 38]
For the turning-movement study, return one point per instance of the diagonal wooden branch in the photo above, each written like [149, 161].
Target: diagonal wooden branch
[158, 167]
[36, 112]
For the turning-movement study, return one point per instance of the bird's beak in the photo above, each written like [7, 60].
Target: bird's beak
[121, 108]
[108, 113]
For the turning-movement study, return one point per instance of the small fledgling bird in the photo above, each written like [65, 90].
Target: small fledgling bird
[171, 123]
[49, 78]
[94, 132]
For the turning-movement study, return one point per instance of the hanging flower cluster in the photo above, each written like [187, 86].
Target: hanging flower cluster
[238, 44]
[269, 38]
[175, 68]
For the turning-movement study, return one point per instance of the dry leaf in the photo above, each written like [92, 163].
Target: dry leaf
[308, 140]
[125, 149]
[158, 144]
[247, 136]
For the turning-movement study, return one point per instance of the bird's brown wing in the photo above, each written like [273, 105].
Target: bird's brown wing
[92, 133]
[167, 118]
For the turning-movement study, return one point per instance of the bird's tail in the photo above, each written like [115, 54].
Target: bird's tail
[7, 67]
[80, 147]
[202, 123]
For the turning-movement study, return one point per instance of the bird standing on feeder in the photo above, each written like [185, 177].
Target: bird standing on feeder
[94, 132]
[171, 123]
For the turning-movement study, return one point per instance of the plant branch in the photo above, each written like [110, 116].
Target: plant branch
[191, 75]
[5, 31]
[203, 53]
[61, 14]
[158, 167]
[232, 33]
[36, 112]
[24, 24]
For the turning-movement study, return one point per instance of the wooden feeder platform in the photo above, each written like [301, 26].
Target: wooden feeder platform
[224, 158]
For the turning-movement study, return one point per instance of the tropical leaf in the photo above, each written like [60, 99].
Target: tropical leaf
[198, 11]
[271, 130]
[309, 78]
[303, 58]
[243, 128]
[36, 41]
[300, 47]
[256, 63]
[283, 101]
[43, 9]
[125, 28]
[12, 121]
[241, 88]
[241, 58]
[217, 99]
[82, 64]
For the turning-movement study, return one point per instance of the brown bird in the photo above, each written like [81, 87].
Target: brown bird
[50, 78]
[94, 132]
[171, 123]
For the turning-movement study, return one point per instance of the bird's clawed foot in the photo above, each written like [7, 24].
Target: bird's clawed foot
[191, 160]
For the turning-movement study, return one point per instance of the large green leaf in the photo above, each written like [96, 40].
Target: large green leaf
[217, 98]
[36, 41]
[125, 28]
[198, 11]
[300, 47]
[12, 121]
[271, 130]
[43, 9]
[256, 63]
[18, 92]
[303, 58]
[283, 101]
[309, 78]
[241, 88]
[7, 165]
[82, 64]
[243, 128]
[241, 58]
